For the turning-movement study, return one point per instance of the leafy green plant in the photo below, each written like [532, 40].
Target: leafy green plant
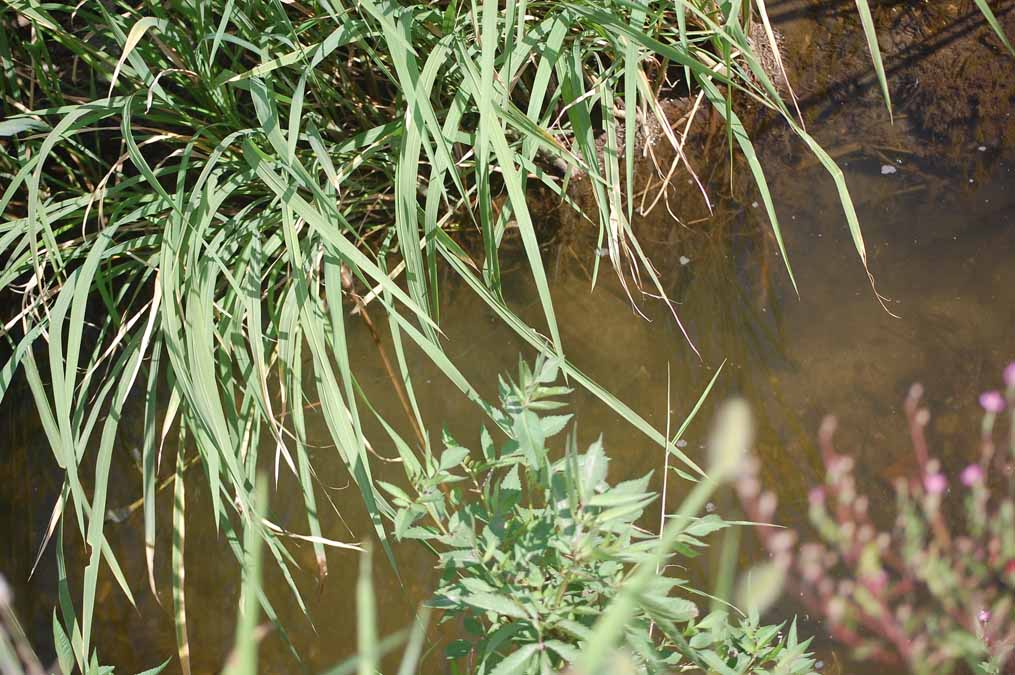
[196, 193]
[534, 549]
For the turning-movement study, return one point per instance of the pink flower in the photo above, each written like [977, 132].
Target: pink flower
[1009, 375]
[983, 616]
[992, 401]
[816, 496]
[935, 483]
[971, 475]
[876, 582]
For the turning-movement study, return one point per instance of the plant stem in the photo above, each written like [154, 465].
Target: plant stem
[395, 381]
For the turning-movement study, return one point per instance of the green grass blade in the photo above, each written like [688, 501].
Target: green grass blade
[70, 621]
[540, 344]
[844, 198]
[366, 618]
[697, 406]
[14, 362]
[864, 10]
[490, 124]
[417, 639]
[137, 32]
[291, 354]
[243, 660]
[995, 25]
[178, 564]
[96, 542]
[747, 148]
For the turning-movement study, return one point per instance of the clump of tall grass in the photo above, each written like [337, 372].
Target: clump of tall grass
[194, 190]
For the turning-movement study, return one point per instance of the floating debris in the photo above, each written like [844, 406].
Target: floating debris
[684, 260]
[887, 169]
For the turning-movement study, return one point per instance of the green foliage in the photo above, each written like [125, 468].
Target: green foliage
[534, 549]
[189, 186]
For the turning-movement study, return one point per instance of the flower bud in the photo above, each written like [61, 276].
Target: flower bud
[835, 609]
[1009, 375]
[865, 534]
[971, 475]
[992, 401]
[935, 483]
[766, 505]
[876, 582]
[782, 541]
[749, 487]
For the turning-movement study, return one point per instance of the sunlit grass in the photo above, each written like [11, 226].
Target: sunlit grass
[192, 192]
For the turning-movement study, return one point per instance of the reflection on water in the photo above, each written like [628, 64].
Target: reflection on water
[943, 265]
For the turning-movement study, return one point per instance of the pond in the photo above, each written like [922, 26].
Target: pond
[941, 243]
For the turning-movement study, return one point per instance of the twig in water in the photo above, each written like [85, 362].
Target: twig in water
[395, 381]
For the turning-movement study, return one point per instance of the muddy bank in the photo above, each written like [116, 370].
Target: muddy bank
[953, 90]
[950, 76]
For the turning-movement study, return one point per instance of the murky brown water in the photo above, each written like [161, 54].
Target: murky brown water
[946, 267]
[942, 249]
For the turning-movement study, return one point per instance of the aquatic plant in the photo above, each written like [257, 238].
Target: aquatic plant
[545, 567]
[925, 592]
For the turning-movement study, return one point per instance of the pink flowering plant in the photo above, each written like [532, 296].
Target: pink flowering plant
[936, 589]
